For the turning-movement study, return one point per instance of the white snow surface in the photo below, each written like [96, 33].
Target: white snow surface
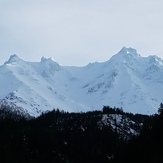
[127, 80]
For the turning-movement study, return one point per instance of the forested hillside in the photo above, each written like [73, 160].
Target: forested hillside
[109, 135]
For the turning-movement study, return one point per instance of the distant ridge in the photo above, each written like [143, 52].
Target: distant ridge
[126, 80]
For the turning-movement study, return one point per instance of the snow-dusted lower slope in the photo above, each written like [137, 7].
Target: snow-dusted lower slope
[127, 80]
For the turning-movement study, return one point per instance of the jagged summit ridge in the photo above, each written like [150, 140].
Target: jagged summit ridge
[129, 50]
[13, 58]
[127, 80]
[44, 59]
[49, 66]
[126, 55]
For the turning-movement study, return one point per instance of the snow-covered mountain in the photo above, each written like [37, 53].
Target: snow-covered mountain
[126, 80]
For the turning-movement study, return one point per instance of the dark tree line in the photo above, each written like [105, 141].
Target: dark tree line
[62, 137]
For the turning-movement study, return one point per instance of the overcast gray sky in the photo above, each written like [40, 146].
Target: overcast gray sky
[76, 32]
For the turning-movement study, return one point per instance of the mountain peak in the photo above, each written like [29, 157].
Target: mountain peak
[13, 58]
[43, 59]
[129, 51]
[126, 55]
[49, 65]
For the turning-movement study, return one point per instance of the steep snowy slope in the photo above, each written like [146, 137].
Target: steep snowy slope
[127, 80]
[38, 86]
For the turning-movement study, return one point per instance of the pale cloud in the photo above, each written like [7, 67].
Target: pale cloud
[77, 32]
